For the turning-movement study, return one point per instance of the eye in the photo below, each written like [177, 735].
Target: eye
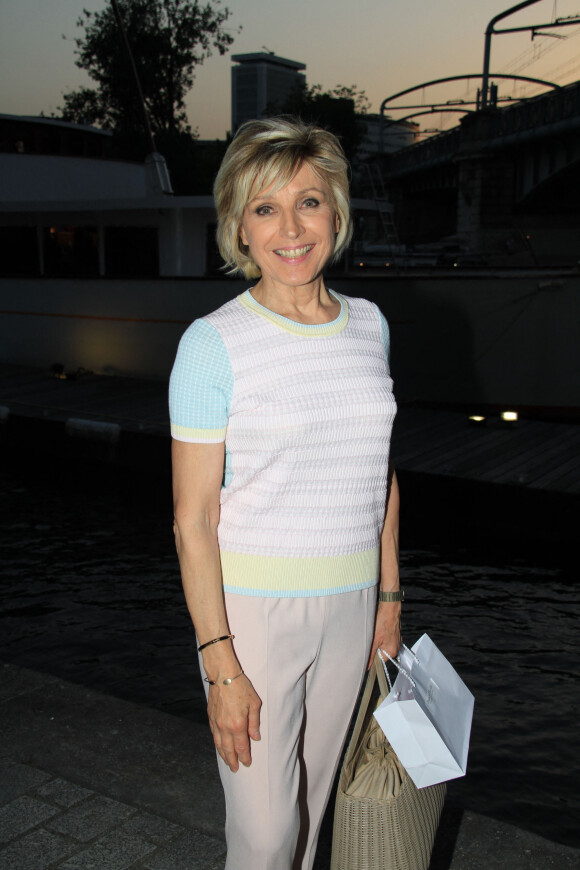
[311, 202]
[264, 210]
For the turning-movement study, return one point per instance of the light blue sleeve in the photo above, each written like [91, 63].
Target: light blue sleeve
[200, 386]
[385, 336]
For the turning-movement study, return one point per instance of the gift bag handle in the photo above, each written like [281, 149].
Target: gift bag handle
[398, 665]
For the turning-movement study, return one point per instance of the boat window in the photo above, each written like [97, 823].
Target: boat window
[19, 251]
[213, 259]
[70, 251]
[131, 252]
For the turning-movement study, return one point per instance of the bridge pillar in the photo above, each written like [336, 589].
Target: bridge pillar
[469, 195]
[485, 186]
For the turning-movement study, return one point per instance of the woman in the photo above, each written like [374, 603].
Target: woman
[281, 413]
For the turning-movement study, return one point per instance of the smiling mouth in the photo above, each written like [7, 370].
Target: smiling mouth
[294, 253]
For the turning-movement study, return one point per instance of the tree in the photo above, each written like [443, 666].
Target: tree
[340, 110]
[168, 39]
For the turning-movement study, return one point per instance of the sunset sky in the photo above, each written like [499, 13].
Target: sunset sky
[382, 46]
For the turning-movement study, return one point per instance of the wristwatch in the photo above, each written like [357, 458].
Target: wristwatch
[392, 596]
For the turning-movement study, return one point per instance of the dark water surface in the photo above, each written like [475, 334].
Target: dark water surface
[90, 592]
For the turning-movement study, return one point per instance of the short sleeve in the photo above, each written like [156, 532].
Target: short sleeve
[385, 336]
[200, 386]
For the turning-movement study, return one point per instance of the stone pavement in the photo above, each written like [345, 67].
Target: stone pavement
[92, 782]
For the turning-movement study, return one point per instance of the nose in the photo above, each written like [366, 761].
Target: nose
[290, 223]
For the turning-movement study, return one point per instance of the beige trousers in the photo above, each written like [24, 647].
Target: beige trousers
[306, 658]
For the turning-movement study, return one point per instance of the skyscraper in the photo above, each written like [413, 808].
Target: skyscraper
[261, 79]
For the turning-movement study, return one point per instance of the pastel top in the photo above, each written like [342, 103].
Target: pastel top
[306, 412]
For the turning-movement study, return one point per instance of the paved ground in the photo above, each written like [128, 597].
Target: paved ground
[91, 781]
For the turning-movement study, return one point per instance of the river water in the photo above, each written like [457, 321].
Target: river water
[90, 592]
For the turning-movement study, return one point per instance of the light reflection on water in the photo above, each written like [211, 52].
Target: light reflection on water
[91, 592]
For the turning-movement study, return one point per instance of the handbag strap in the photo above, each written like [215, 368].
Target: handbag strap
[375, 672]
[362, 711]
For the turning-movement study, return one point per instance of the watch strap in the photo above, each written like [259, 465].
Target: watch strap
[399, 595]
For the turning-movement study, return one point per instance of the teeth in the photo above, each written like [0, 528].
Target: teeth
[296, 252]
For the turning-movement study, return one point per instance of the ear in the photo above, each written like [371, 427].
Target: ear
[336, 222]
[243, 237]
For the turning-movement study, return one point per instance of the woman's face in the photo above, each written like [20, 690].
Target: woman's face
[291, 233]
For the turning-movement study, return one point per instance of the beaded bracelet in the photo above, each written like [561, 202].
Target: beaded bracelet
[216, 640]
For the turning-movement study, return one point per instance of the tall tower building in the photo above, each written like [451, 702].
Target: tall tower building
[261, 79]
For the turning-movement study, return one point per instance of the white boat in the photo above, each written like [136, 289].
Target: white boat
[102, 269]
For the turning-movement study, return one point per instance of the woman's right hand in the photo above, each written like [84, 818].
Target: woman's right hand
[234, 719]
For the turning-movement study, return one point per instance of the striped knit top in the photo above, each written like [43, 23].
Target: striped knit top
[306, 412]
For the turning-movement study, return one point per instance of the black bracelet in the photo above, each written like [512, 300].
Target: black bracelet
[216, 640]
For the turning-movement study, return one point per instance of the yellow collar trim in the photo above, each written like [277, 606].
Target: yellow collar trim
[312, 330]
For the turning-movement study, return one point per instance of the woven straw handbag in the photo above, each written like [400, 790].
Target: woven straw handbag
[382, 821]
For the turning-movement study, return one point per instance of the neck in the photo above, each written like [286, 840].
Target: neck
[309, 304]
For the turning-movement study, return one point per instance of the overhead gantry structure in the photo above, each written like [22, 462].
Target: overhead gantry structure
[487, 95]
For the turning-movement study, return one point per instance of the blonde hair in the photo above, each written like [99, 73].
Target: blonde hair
[269, 153]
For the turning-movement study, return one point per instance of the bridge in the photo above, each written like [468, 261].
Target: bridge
[502, 173]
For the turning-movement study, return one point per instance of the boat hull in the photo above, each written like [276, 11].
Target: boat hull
[474, 340]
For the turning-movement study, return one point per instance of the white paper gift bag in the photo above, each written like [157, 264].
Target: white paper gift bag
[427, 715]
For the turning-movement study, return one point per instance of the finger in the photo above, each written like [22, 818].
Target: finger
[218, 743]
[243, 750]
[224, 745]
[392, 645]
[254, 724]
[230, 756]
